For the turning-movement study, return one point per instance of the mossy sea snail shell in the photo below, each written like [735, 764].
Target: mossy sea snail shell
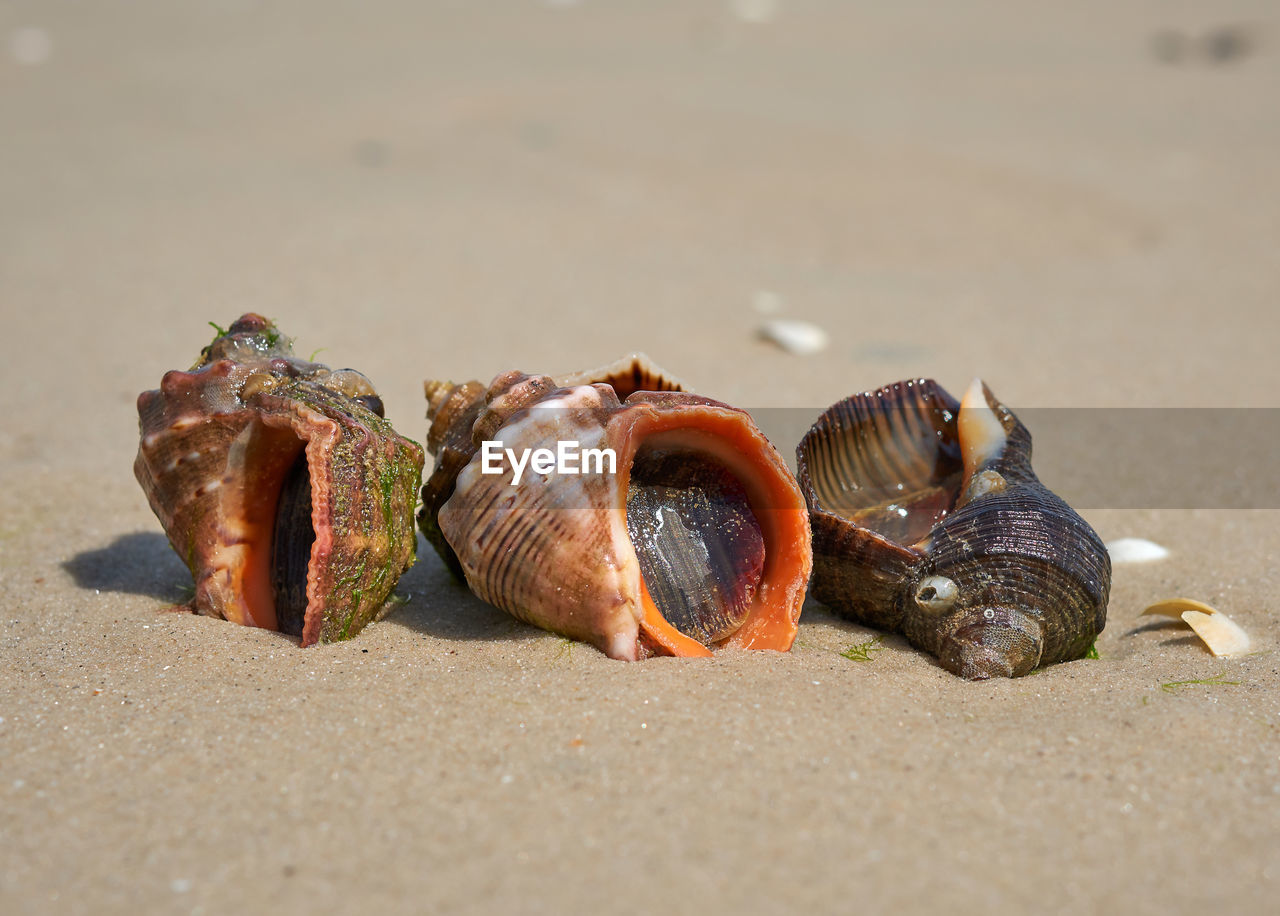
[280, 485]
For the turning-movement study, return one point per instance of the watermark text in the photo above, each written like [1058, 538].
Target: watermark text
[568, 457]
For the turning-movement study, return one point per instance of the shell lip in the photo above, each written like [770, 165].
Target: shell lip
[728, 435]
[661, 637]
[271, 445]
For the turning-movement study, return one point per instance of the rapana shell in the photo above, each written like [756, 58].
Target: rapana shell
[280, 486]
[555, 550]
[929, 521]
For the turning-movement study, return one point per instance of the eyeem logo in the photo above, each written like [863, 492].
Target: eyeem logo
[566, 458]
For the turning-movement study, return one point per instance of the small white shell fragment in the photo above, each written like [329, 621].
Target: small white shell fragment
[799, 337]
[1136, 550]
[1220, 633]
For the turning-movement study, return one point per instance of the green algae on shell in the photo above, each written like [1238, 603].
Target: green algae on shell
[280, 485]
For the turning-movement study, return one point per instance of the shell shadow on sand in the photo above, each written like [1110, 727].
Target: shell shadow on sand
[142, 563]
[440, 606]
[139, 563]
[1176, 630]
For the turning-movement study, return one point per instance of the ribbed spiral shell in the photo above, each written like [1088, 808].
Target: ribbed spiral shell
[454, 408]
[555, 549]
[897, 495]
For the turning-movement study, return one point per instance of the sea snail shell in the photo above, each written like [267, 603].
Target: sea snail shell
[698, 539]
[280, 486]
[929, 521]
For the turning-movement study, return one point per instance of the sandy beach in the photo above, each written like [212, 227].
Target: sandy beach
[1077, 204]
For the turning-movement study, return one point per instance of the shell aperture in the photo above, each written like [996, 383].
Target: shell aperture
[936, 594]
[291, 545]
[699, 546]
[286, 494]
[908, 488]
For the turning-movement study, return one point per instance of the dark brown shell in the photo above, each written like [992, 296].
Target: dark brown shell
[561, 551]
[929, 521]
[280, 486]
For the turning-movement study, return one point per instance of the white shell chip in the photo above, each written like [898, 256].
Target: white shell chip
[1135, 550]
[800, 337]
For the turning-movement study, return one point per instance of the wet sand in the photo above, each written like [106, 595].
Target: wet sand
[1055, 201]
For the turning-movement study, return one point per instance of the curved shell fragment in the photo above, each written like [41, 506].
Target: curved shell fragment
[1175, 607]
[1220, 633]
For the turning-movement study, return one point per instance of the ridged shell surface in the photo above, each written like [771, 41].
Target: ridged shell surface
[555, 549]
[454, 408]
[280, 486]
[929, 521]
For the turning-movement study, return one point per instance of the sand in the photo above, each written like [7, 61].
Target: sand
[1053, 199]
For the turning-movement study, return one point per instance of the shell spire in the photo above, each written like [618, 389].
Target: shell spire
[633, 372]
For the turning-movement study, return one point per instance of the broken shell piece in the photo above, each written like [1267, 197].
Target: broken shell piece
[1135, 550]
[799, 337]
[1219, 632]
